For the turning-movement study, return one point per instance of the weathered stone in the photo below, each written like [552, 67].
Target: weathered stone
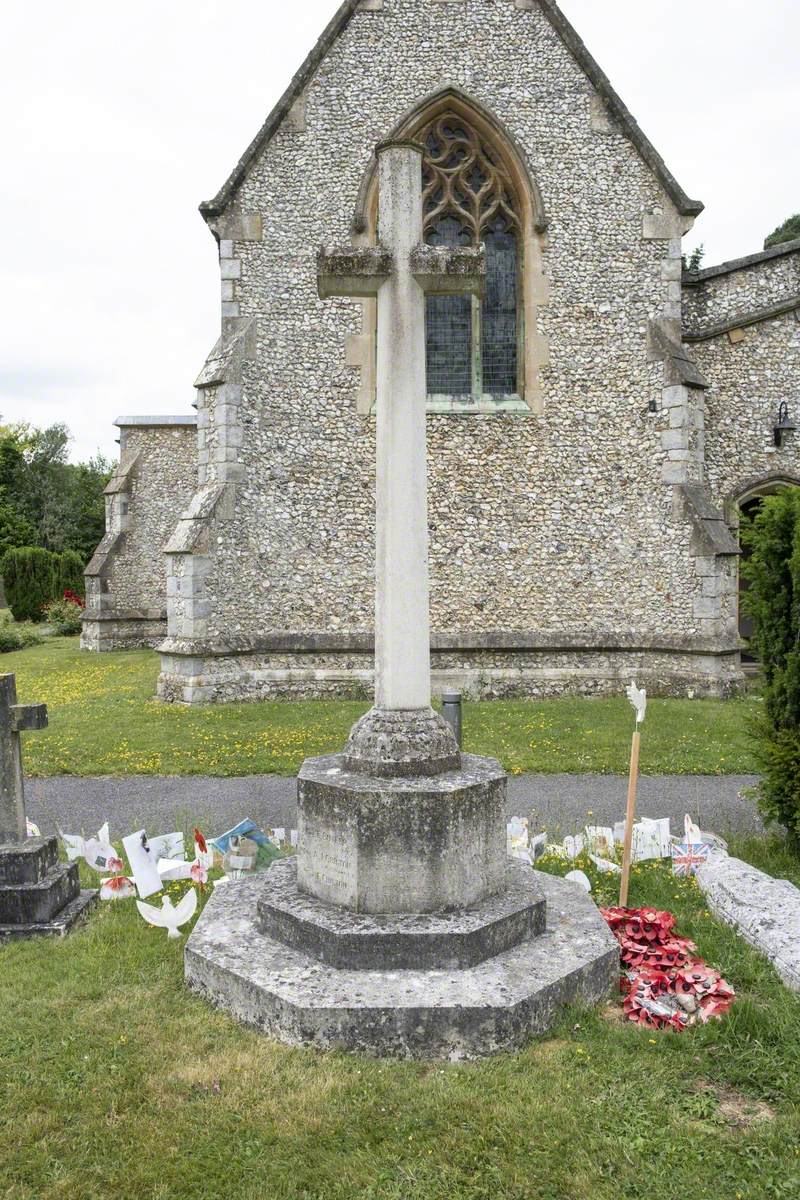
[397, 742]
[458, 937]
[28, 861]
[14, 718]
[438, 1013]
[37, 893]
[58, 925]
[765, 911]
[35, 903]
[407, 844]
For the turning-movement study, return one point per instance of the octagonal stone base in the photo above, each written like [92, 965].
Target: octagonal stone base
[460, 937]
[426, 1013]
[401, 845]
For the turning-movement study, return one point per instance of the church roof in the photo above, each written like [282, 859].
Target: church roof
[339, 22]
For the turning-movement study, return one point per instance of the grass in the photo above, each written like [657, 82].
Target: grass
[117, 1082]
[104, 721]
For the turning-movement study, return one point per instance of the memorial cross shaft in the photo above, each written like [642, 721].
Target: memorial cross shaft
[13, 719]
[400, 271]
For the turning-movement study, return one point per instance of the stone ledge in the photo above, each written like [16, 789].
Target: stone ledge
[154, 422]
[59, 925]
[742, 320]
[41, 900]
[708, 521]
[363, 941]
[124, 614]
[698, 278]
[496, 1006]
[362, 642]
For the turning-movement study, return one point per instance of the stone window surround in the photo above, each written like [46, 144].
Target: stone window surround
[535, 287]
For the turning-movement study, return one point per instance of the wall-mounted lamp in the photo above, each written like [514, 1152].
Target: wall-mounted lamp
[785, 424]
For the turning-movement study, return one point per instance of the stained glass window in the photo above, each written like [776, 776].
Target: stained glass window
[468, 197]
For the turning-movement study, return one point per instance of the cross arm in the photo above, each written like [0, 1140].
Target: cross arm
[449, 270]
[352, 270]
[28, 716]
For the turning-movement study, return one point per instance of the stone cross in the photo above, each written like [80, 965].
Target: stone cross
[13, 719]
[401, 270]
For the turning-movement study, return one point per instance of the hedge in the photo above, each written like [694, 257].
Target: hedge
[773, 601]
[33, 576]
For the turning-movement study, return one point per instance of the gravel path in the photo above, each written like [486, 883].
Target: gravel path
[559, 802]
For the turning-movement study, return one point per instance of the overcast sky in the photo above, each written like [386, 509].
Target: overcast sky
[119, 118]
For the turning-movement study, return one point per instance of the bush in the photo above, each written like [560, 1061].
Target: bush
[9, 639]
[64, 615]
[33, 577]
[15, 637]
[69, 574]
[773, 601]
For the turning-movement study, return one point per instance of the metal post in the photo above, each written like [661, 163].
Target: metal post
[451, 711]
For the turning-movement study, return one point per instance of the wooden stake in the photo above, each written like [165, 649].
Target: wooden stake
[630, 817]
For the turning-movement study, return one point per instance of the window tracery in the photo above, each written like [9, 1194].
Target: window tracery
[468, 197]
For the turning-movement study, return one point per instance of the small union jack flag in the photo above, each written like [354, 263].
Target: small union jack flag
[688, 856]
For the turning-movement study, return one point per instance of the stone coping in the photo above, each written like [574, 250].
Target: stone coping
[447, 1013]
[742, 320]
[362, 642]
[147, 422]
[328, 770]
[764, 910]
[451, 938]
[697, 278]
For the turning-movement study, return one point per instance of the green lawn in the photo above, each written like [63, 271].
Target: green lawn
[103, 721]
[116, 1082]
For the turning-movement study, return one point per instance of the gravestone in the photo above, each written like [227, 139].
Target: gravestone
[401, 928]
[38, 894]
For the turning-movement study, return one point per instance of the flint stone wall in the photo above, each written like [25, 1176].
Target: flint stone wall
[753, 365]
[561, 521]
[126, 582]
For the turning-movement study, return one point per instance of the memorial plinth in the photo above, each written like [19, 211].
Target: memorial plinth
[401, 928]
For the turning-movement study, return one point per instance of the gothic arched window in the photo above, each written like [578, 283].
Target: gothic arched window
[468, 197]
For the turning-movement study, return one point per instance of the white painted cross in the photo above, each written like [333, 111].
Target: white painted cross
[14, 718]
[400, 271]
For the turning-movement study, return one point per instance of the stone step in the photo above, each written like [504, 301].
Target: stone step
[450, 1013]
[28, 861]
[34, 903]
[395, 941]
[58, 925]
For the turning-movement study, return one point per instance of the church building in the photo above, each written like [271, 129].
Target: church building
[595, 422]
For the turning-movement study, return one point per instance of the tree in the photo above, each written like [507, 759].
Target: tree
[59, 505]
[695, 260]
[787, 232]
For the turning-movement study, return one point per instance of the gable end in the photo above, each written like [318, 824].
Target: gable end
[576, 46]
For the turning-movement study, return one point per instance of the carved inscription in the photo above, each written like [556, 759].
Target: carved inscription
[327, 865]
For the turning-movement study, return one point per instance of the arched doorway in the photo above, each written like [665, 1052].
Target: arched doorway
[747, 502]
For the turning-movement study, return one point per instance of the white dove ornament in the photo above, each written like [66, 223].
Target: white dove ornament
[638, 698]
[170, 916]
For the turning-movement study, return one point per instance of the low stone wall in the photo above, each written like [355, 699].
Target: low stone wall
[123, 631]
[321, 666]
